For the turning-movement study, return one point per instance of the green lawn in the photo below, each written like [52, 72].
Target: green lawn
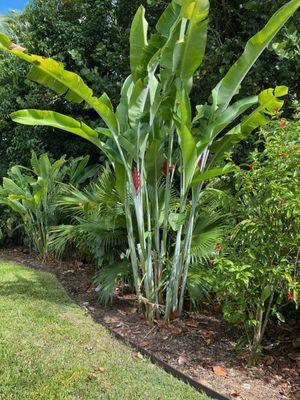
[50, 349]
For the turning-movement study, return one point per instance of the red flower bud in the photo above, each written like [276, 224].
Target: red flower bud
[167, 168]
[218, 247]
[171, 167]
[200, 163]
[136, 179]
[250, 166]
[282, 154]
[290, 296]
[282, 123]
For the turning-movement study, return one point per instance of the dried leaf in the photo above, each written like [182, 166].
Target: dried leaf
[159, 322]
[182, 360]
[174, 315]
[207, 334]
[219, 371]
[191, 323]
[236, 393]
[269, 360]
[176, 330]
[203, 382]
[14, 46]
[139, 356]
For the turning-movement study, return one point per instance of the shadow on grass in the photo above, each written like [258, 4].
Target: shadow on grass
[36, 287]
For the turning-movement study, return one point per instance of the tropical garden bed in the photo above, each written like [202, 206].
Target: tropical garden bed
[176, 206]
[202, 346]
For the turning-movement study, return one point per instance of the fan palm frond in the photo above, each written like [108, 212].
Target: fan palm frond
[108, 277]
[209, 230]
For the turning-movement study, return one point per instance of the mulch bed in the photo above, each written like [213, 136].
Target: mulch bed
[200, 346]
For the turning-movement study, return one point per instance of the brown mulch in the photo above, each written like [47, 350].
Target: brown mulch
[201, 346]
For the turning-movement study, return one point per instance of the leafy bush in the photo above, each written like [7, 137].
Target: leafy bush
[260, 274]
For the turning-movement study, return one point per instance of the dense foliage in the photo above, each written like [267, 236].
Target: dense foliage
[260, 273]
[70, 32]
[155, 214]
[153, 133]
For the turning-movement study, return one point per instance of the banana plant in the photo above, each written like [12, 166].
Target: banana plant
[156, 144]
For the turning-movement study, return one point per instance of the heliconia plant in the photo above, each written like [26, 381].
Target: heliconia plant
[156, 143]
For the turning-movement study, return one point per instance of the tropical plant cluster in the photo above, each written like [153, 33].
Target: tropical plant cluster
[69, 31]
[170, 212]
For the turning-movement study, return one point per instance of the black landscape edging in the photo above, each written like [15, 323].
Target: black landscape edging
[168, 368]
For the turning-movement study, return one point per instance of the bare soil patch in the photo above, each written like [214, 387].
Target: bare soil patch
[201, 346]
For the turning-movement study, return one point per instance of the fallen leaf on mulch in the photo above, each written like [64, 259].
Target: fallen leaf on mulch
[175, 330]
[159, 322]
[182, 360]
[236, 393]
[202, 382]
[269, 360]
[207, 334]
[219, 371]
[191, 323]
[174, 315]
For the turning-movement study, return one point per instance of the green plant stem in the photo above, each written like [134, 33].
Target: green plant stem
[167, 195]
[133, 254]
[189, 233]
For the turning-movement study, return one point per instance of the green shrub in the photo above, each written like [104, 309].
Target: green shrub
[261, 271]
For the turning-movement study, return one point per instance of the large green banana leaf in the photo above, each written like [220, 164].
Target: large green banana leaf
[229, 85]
[52, 74]
[138, 41]
[195, 38]
[60, 121]
[269, 103]
[167, 19]
[213, 173]
[186, 140]
[230, 115]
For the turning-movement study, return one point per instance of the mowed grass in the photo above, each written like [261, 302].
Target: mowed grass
[50, 349]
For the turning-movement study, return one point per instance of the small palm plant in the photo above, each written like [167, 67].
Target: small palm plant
[156, 144]
[32, 193]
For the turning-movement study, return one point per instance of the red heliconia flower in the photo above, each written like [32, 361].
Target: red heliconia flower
[200, 163]
[167, 167]
[218, 247]
[282, 123]
[282, 154]
[250, 166]
[136, 179]
[290, 296]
